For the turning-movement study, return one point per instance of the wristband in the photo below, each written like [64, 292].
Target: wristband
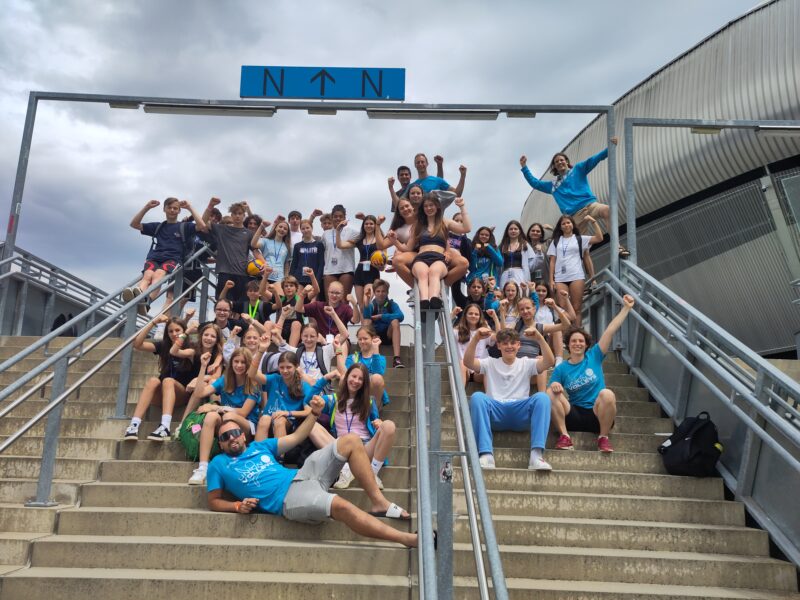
[237, 506]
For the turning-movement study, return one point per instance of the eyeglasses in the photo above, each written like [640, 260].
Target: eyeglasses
[229, 435]
[222, 310]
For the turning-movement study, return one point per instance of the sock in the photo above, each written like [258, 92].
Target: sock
[166, 420]
[136, 421]
[203, 465]
[536, 454]
[376, 465]
[599, 437]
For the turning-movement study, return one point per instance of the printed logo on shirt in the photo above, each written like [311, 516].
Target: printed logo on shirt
[588, 378]
[251, 470]
[308, 250]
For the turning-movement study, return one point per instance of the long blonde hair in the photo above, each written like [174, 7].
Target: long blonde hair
[250, 386]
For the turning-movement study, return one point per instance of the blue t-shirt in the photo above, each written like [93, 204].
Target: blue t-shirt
[237, 398]
[169, 245]
[431, 183]
[255, 473]
[583, 382]
[278, 397]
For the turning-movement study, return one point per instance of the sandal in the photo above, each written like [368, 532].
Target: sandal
[393, 512]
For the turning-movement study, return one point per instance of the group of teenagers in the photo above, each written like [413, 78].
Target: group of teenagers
[275, 369]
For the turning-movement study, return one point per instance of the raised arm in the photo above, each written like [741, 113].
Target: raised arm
[337, 321]
[356, 318]
[537, 184]
[178, 350]
[207, 212]
[199, 223]
[136, 222]
[608, 335]
[466, 225]
[343, 244]
[393, 194]
[255, 241]
[459, 189]
[598, 233]
[288, 442]
[141, 342]
[469, 353]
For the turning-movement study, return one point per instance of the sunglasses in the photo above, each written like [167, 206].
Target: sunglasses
[229, 435]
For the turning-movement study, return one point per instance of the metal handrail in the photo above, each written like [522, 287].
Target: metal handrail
[470, 462]
[85, 377]
[425, 553]
[165, 283]
[72, 360]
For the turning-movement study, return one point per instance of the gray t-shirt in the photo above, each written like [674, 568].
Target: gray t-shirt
[336, 260]
[233, 246]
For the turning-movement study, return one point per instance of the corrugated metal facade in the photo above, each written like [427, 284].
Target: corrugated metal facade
[723, 254]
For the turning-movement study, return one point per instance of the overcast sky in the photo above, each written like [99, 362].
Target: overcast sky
[92, 168]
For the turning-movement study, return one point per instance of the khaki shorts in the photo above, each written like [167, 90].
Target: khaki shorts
[308, 499]
[592, 210]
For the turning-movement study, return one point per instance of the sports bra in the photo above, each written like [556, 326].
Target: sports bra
[426, 239]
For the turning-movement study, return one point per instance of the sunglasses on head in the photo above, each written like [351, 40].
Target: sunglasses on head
[229, 435]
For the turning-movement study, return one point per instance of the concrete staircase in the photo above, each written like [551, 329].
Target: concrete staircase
[599, 526]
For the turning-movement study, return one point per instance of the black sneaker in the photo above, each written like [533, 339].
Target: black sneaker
[436, 303]
[424, 304]
[161, 434]
[397, 363]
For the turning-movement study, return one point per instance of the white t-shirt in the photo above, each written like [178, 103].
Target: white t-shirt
[308, 360]
[508, 382]
[295, 236]
[569, 264]
[336, 260]
[545, 316]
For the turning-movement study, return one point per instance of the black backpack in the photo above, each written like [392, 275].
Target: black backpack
[693, 449]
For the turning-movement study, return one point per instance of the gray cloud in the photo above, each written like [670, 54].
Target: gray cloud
[92, 168]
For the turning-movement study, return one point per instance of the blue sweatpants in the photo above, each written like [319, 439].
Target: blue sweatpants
[527, 414]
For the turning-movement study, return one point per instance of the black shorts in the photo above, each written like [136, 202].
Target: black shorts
[428, 258]
[582, 419]
[287, 327]
[363, 277]
[384, 335]
[239, 290]
[167, 266]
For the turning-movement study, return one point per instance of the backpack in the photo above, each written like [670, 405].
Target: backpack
[693, 449]
[189, 436]
[186, 245]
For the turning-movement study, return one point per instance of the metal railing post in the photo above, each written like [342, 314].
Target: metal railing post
[51, 434]
[432, 375]
[19, 309]
[47, 316]
[444, 520]
[203, 308]
[613, 196]
[177, 290]
[125, 364]
[745, 478]
[630, 194]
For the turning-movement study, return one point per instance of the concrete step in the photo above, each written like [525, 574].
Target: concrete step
[142, 364]
[72, 447]
[465, 588]
[191, 554]
[579, 460]
[633, 566]
[623, 442]
[599, 482]
[19, 490]
[27, 467]
[607, 506]
[182, 495]
[100, 428]
[86, 393]
[156, 451]
[628, 394]
[622, 534]
[67, 584]
[112, 521]
[14, 546]
[14, 517]
[179, 472]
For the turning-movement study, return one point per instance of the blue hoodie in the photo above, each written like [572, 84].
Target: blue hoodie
[573, 192]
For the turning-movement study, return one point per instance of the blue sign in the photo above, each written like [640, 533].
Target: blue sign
[328, 83]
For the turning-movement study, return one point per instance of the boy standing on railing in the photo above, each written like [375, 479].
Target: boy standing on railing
[171, 240]
[508, 404]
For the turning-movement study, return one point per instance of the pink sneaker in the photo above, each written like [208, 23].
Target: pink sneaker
[604, 445]
[564, 443]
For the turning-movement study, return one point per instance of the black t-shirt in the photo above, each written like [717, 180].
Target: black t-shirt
[180, 369]
[260, 312]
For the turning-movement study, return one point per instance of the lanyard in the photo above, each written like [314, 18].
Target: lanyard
[253, 310]
[309, 364]
[276, 252]
[564, 247]
[349, 422]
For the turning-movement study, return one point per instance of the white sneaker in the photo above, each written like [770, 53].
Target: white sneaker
[345, 479]
[539, 464]
[198, 476]
[486, 461]
[131, 433]
[378, 481]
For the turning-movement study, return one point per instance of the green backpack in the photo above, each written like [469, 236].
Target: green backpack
[189, 436]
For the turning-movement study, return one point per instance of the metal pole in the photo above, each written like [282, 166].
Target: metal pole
[19, 311]
[47, 467]
[47, 317]
[433, 399]
[203, 308]
[613, 196]
[125, 364]
[177, 290]
[630, 193]
[16, 198]
[444, 519]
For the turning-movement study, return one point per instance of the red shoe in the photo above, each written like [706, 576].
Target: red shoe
[604, 445]
[564, 443]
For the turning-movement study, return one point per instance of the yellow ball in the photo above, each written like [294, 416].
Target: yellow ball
[254, 267]
[378, 259]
